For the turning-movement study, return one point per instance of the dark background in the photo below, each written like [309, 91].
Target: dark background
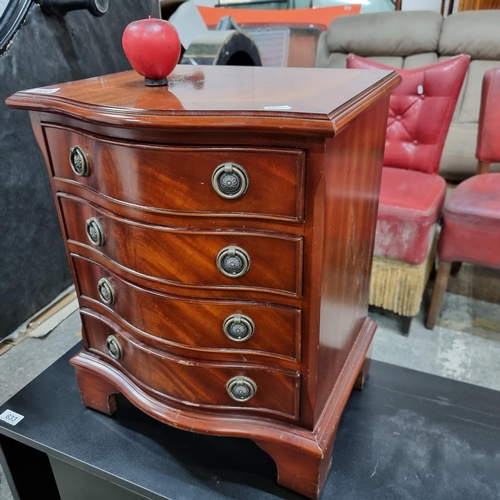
[45, 50]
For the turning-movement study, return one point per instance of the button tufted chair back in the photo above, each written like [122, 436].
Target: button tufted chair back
[488, 141]
[411, 192]
[421, 110]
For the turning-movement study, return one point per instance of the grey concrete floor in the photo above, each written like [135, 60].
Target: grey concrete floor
[455, 349]
[465, 344]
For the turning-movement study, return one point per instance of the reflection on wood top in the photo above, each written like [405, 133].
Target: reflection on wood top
[310, 100]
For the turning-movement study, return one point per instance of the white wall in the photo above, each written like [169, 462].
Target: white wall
[421, 5]
[428, 5]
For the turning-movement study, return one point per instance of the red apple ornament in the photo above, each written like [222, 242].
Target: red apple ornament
[152, 47]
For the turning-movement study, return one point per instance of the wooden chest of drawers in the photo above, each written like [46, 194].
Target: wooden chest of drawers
[220, 234]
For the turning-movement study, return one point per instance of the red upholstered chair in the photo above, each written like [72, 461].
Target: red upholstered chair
[488, 136]
[471, 220]
[412, 194]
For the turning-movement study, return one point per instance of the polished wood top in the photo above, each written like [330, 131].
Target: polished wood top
[312, 100]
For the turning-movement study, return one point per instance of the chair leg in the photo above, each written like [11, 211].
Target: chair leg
[438, 293]
[455, 268]
[405, 324]
[482, 167]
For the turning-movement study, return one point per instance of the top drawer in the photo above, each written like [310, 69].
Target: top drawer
[180, 179]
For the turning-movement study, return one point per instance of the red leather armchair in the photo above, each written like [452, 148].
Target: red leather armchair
[471, 219]
[412, 194]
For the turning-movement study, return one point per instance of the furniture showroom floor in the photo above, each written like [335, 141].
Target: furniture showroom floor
[465, 344]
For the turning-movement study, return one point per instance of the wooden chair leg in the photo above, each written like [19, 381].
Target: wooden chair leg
[405, 324]
[438, 293]
[482, 167]
[455, 268]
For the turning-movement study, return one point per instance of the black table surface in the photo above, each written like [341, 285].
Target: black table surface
[407, 435]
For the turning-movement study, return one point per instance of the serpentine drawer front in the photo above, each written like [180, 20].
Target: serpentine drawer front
[220, 234]
[189, 258]
[246, 183]
[190, 382]
[165, 320]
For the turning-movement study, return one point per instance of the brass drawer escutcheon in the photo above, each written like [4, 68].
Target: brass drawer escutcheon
[233, 262]
[114, 347]
[238, 327]
[106, 291]
[95, 232]
[230, 180]
[241, 388]
[79, 161]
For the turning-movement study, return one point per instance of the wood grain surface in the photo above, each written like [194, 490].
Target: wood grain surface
[312, 144]
[168, 321]
[188, 258]
[201, 384]
[130, 173]
[290, 100]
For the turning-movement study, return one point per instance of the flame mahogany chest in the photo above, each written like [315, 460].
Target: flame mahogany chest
[220, 234]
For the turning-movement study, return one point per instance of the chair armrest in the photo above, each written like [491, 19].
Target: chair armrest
[488, 140]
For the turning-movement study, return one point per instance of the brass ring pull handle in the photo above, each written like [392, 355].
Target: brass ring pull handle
[95, 232]
[230, 180]
[106, 291]
[114, 347]
[238, 327]
[233, 262]
[241, 388]
[79, 161]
